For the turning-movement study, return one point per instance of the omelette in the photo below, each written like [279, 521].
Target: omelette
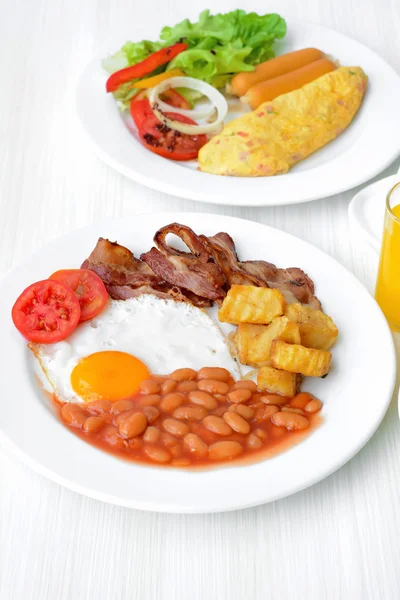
[280, 133]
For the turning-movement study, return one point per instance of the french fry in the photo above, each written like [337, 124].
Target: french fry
[299, 359]
[275, 381]
[245, 332]
[259, 347]
[250, 304]
[317, 330]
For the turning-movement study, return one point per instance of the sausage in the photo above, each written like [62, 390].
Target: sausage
[274, 67]
[272, 88]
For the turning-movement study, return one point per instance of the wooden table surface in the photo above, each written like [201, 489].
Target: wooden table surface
[338, 539]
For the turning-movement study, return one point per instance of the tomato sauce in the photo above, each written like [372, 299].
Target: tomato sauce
[193, 423]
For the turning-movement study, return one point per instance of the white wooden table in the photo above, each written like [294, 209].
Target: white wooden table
[338, 539]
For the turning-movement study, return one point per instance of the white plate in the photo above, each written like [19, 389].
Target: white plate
[368, 146]
[356, 393]
[367, 211]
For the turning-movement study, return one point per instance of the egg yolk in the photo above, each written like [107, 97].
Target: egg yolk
[108, 375]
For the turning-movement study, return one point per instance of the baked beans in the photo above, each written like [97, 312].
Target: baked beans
[168, 386]
[213, 386]
[175, 427]
[301, 400]
[203, 399]
[183, 374]
[217, 425]
[214, 373]
[93, 424]
[236, 422]
[224, 450]
[133, 425]
[150, 400]
[186, 386]
[171, 401]
[149, 387]
[313, 406]
[245, 384]
[240, 395]
[190, 419]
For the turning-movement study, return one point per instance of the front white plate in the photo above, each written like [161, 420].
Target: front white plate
[356, 393]
[368, 146]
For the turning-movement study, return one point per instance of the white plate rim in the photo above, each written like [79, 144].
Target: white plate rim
[159, 507]
[321, 181]
[356, 212]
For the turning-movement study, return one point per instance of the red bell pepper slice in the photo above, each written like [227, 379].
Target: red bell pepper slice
[146, 66]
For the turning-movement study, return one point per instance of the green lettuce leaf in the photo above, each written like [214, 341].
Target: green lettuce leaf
[219, 46]
[130, 54]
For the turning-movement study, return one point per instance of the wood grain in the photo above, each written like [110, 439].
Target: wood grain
[336, 540]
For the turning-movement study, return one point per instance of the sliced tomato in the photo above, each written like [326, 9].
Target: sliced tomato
[140, 108]
[175, 99]
[46, 312]
[88, 288]
[167, 142]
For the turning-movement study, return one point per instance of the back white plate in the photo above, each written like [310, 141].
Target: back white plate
[368, 146]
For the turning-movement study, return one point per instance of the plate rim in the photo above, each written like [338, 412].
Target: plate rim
[354, 212]
[159, 507]
[225, 199]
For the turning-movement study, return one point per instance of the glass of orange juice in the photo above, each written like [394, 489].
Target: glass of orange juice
[387, 291]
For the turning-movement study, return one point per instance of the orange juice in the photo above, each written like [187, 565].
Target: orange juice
[387, 291]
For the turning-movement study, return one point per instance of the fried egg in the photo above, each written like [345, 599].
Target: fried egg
[109, 356]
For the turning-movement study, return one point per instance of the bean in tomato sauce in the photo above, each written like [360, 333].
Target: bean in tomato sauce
[189, 419]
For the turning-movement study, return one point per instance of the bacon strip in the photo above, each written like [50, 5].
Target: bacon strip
[190, 271]
[200, 276]
[292, 282]
[127, 277]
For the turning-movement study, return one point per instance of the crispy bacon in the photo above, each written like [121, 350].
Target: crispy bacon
[292, 282]
[190, 271]
[127, 277]
[200, 276]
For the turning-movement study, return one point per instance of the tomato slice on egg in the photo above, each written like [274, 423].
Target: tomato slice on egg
[88, 287]
[46, 312]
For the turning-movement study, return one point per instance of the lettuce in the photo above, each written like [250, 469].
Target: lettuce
[218, 46]
[130, 54]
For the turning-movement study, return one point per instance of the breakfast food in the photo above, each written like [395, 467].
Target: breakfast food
[249, 304]
[275, 67]
[317, 330]
[254, 346]
[185, 335]
[138, 367]
[177, 89]
[280, 133]
[272, 88]
[296, 358]
[276, 381]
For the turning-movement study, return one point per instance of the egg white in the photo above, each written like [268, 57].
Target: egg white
[164, 334]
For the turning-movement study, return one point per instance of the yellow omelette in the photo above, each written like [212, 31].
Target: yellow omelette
[280, 133]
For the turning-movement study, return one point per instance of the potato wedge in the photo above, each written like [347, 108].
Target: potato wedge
[259, 347]
[250, 304]
[299, 359]
[317, 330]
[275, 381]
[245, 332]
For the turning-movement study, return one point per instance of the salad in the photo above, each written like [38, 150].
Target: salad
[172, 86]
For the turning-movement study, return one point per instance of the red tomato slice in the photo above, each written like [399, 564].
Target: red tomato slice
[46, 312]
[140, 108]
[175, 99]
[167, 142]
[88, 287]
